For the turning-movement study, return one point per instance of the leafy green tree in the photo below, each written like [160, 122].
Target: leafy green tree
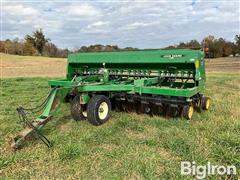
[38, 40]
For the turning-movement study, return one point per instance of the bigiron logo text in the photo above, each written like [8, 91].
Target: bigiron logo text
[202, 171]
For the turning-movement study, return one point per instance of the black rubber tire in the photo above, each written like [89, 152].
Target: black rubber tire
[197, 106]
[92, 110]
[186, 112]
[205, 102]
[77, 109]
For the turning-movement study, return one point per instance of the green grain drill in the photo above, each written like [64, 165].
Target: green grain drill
[155, 82]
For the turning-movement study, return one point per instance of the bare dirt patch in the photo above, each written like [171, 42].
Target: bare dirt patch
[135, 135]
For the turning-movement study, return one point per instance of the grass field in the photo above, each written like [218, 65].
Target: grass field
[128, 146]
[30, 66]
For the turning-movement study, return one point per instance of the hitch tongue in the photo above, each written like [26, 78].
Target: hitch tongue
[25, 133]
[21, 137]
[49, 106]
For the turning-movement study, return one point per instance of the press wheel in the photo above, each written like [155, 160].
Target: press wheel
[187, 112]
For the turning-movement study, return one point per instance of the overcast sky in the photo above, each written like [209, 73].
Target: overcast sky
[141, 24]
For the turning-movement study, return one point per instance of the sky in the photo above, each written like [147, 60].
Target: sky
[140, 24]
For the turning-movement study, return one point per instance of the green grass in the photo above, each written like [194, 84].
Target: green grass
[128, 145]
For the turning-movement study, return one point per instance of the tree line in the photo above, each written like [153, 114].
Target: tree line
[38, 45]
[217, 47]
[32, 45]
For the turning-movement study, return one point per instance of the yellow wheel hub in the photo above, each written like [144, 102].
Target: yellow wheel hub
[190, 112]
[84, 113]
[103, 110]
[207, 103]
